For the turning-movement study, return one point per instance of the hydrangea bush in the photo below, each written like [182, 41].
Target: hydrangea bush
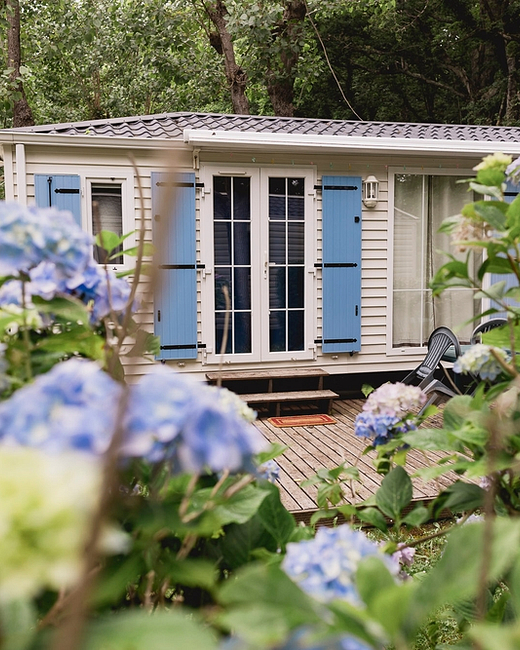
[388, 411]
[200, 549]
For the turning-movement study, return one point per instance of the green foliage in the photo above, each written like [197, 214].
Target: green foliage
[205, 553]
[393, 61]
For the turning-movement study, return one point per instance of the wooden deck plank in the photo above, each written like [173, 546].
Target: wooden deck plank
[317, 456]
[364, 464]
[325, 446]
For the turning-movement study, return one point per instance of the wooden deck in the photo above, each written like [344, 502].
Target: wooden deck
[313, 447]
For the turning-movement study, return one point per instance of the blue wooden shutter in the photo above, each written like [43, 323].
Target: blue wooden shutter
[60, 191]
[175, 298]
[510, 195]
[341, 211]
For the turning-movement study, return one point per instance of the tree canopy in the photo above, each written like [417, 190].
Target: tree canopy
[452, 61]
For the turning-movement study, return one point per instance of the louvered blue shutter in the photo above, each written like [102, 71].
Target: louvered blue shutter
[175, 299]
[341, 212]
[60, 191]
[510, 195]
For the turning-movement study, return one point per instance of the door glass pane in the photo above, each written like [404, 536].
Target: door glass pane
[276, 207]
[242, 243]
[277, 198]
[242, 342]
[295, 203]
[221, 197]
[222, 239]
[296, 243]
[295, 287]
[296, 330]
[277, 242]
[277, 288]
[296, 187]
[220, 319]
[242, 292]
[277, 331]
[241, 202]
[232, 256]
[222, 279]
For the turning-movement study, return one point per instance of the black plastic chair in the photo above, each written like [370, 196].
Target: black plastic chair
[485, 327]
[441, 339]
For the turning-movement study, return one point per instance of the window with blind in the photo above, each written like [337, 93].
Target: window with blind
[107, 214]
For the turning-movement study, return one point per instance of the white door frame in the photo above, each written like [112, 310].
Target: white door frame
[259, 263]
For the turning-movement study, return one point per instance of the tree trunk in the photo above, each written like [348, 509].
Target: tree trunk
[280, 78]
[22, 114]
[512, 110]
[223, 44]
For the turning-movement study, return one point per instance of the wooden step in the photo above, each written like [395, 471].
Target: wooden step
[278, 373]
[291, 396]
[269, 375]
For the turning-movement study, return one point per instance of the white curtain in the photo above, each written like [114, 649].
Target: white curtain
[422, 202]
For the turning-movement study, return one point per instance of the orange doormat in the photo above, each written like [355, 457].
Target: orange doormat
[301, 420]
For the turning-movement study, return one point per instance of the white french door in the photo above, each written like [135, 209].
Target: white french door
[258, 237]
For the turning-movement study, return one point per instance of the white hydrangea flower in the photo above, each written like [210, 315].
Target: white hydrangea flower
[46, 502]
[395, 399]
[230, 400]
[494, 161]
[478, 360]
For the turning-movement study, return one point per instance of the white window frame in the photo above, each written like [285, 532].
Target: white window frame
[122, 177]
[392, 173]
[259, 205]
[89, 175]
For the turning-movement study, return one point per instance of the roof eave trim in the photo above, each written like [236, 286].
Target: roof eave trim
[108, 142]
[220, 139]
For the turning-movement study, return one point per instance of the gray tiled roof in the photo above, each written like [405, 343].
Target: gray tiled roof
[171, 126]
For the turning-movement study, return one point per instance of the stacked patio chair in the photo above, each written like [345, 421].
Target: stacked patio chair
[440, 341]
[485, 327]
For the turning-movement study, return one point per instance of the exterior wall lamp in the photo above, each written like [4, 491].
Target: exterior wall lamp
[370, 191]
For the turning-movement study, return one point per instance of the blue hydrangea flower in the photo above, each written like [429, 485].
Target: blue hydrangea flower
[32, 235]
[513, 171]
[269, 471]
[73, 406]
[11, 295]
[111, 295]
[378, 427]
[325, 566]
[93, 285]
[160, 404]
[172, 417]
[217, 438]
[46, 282]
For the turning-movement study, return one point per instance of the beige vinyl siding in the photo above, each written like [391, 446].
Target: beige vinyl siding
[376, 256]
